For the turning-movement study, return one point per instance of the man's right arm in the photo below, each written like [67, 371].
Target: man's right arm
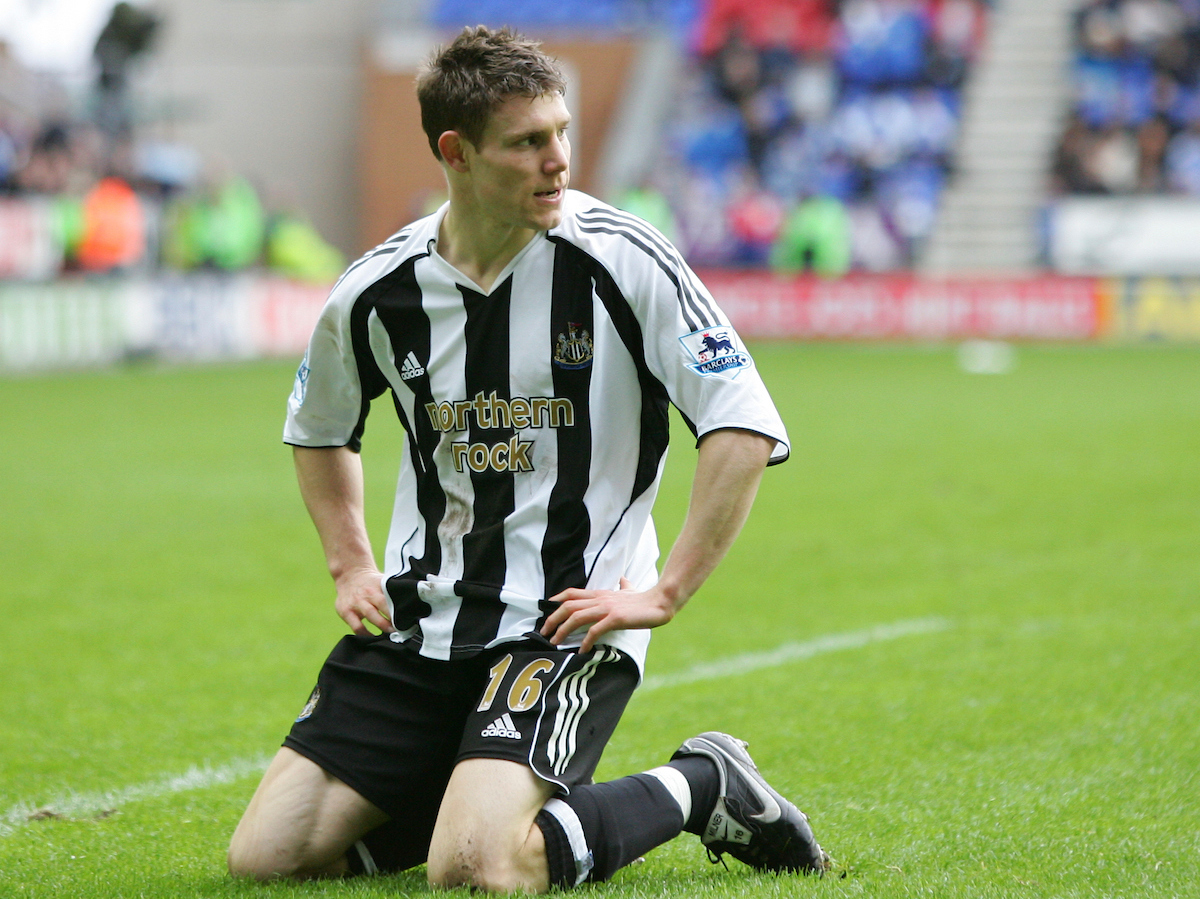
[331, 483]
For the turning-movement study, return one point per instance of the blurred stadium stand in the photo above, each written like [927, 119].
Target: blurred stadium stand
[855, 106]
[986, 162]
[1126, 168]
[1013, 107]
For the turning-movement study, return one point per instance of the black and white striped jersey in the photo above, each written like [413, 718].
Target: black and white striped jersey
[535, 414]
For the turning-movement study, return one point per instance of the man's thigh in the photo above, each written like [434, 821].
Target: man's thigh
[538, 728]
[299, 822]
[386, 724]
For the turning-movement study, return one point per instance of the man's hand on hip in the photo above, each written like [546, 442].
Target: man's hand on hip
[361, 601]
[601, 611]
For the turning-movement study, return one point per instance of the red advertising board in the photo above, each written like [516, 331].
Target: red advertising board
[286, 312]
[908, 307]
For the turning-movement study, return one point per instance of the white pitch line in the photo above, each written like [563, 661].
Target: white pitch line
[793, 652]
[82, 805]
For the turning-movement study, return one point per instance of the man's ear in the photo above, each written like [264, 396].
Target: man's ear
[452, 146]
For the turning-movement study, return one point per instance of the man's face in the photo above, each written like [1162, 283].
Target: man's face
[520, 170]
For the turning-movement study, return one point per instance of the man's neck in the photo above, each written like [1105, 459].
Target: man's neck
[477, 249]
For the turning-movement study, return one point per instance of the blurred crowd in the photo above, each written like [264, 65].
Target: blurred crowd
[1135, 121]
[146, 206]
[809, 135]
[87, 190]
[818, 134]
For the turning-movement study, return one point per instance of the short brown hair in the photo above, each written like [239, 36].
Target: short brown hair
[464, 82]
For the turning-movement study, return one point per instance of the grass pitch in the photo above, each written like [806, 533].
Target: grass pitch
[165, 610]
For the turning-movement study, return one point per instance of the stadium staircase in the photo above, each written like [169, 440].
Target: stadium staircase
[1013, 112]
[625, 162]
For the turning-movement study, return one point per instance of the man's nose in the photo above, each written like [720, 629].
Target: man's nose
[559, 155]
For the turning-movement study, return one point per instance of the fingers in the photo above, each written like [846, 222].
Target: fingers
[362, 605]
[600, 611]
[354, 622]
[358, 618]
[377, 618]
[590, 638]
[571, 617]
[565, 619]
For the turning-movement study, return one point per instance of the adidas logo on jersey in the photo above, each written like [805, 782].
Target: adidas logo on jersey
[411, 368]
[502, 727]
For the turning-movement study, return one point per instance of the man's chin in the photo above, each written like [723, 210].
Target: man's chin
[548, 221]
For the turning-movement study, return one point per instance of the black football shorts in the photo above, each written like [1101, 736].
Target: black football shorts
[392, 724]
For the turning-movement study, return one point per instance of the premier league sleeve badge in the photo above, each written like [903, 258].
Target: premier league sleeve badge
[716, 353]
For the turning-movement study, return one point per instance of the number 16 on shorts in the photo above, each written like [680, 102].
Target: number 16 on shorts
[525, 689]
[553, 711]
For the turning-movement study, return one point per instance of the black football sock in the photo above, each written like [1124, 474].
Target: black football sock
[705, 781]
[600, 828]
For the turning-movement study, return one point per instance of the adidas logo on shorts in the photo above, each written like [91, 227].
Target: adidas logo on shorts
[502, 727]
[411, 368]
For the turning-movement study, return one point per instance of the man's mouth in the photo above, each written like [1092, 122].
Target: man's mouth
[548, 194]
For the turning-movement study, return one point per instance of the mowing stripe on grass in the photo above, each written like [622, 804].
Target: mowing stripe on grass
[85, 805]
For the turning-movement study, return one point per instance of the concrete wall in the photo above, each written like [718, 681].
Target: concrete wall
[270, 89]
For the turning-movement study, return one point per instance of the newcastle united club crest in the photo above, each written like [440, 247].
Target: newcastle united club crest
[573, 349]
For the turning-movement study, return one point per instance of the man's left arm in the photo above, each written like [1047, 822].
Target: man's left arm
[729, 467]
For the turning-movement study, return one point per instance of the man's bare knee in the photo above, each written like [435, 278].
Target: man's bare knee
[461, 867]
[249, 856]
[447, 873]
[499, 850]
[299, 823]
[491, 867]
[466, 869]
[256, 861]
[245, 864]
[280, 866]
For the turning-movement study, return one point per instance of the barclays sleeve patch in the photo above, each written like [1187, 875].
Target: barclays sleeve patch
[716, 353]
